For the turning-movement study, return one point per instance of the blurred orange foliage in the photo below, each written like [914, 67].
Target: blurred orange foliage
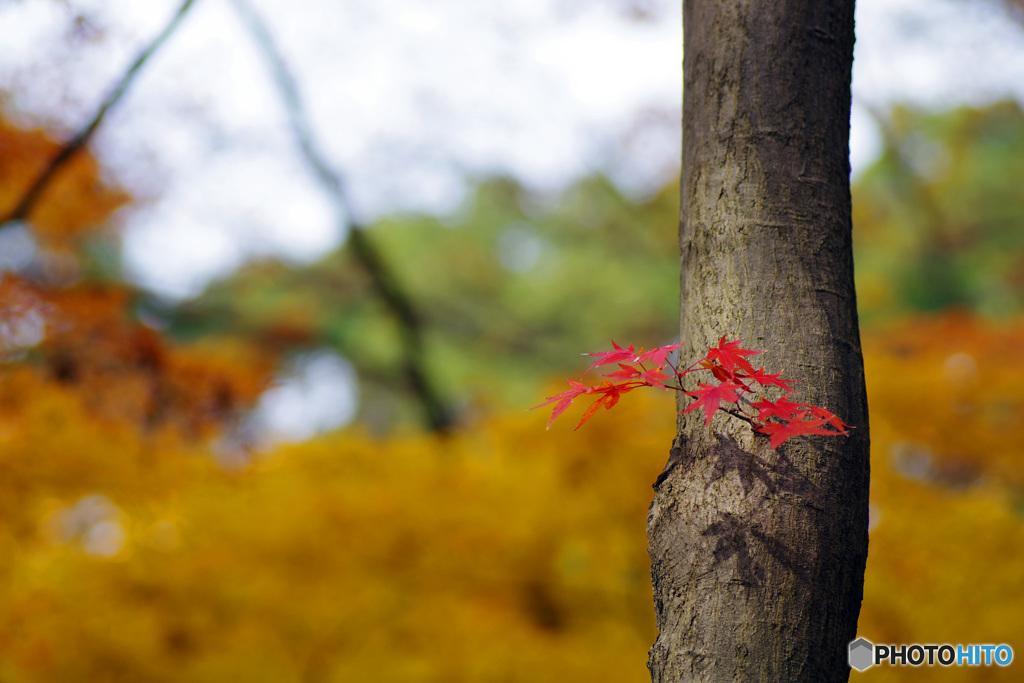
[83, 334]
[77, 201]
[85, 338]
[501, 553]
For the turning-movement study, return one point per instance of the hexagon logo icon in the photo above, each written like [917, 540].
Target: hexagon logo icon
[861, 651]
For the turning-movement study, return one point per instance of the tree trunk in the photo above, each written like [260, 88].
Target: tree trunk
[757, 556]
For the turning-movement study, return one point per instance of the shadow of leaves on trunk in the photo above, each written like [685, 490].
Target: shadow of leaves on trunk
[778, 477]
[746, 543]
[750, 547]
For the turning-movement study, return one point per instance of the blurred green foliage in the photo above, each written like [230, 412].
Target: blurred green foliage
[511, 290]
[939, 218]
[513, 286]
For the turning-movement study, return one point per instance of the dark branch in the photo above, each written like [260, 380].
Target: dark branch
[383, 279]
[32, 195]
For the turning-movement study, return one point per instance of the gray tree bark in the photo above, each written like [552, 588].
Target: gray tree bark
[757, 556]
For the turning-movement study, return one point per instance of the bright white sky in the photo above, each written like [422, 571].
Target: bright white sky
[411, 97]
[408, 98]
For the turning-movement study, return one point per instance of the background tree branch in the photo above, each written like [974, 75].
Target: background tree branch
[385, 283]
[81, 139]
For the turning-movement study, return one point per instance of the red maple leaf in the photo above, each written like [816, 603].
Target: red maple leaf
[627, 372]
[654, 378]
[830, 418]
[801, 425]
[731, 356]
[710, 397]
[564, 399]
[658, 356]
[780, 419]
[617, 355]
[718, 371]
[764, 379]
[780, 408]
[610, 394]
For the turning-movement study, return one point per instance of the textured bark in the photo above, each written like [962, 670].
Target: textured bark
[758, 555]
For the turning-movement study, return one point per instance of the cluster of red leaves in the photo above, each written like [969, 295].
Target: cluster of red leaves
[779, 419]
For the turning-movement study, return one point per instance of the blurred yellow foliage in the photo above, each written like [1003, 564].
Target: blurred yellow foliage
[946, 555]
[501, 553]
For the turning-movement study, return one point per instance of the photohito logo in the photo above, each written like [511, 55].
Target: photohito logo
[864, 654]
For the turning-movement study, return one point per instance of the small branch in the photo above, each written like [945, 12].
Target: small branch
[385, 283]
[731, 411]
[740, 414]
[35, 191]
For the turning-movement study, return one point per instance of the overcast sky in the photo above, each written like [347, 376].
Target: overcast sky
[409, 98]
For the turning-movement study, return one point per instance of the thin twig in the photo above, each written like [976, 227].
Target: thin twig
[35, 191]
[731, 411]
[437, 414]
[740, 414]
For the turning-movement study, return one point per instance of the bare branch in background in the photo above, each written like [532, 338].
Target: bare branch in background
[385, 283]
[35, 191]
[1015, 8]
